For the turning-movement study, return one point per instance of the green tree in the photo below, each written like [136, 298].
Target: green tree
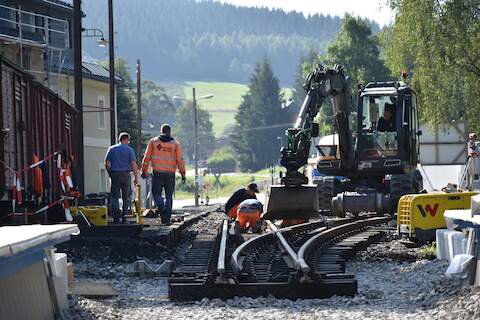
[260, 120]
[298, 92]
[437, 42]
[358, 51]
[221, 161]
[126, 108]
[157, 107]
[184, 129]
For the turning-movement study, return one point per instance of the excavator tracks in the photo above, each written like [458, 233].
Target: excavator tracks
[303, 261]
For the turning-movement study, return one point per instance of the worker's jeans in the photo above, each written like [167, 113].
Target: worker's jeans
[120, 181]
[163, 181]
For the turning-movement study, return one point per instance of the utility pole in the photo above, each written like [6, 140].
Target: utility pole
[139, 110]
[111, 67]
[77, 59]
[195, 146]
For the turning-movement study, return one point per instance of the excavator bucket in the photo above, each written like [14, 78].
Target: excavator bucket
[291, 202]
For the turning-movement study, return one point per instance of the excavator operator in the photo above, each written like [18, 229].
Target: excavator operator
[387, 122]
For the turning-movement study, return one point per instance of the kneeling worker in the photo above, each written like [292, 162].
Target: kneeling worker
[237, 197]
[248, 216]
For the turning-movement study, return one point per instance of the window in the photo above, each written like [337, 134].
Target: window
[101, 112]
[378, 139]
[374, 109]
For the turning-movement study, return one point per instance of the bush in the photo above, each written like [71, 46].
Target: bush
[222, 161]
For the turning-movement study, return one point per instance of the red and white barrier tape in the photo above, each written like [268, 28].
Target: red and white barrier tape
[65, 182]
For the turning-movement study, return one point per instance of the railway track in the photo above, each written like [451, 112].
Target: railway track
[302, 261]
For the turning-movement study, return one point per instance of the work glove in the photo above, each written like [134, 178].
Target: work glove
[184, 179]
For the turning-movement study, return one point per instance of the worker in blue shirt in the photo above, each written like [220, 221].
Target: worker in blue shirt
[119, 162]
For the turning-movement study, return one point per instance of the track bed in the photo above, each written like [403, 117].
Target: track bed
[303, 261]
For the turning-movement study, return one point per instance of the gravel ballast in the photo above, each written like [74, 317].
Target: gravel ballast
[390, 287]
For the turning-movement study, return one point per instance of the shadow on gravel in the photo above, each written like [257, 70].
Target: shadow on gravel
[119, 250]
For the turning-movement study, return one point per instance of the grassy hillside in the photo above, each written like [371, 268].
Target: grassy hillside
[224, 104]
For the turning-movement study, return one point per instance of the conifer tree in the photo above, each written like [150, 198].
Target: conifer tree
[260, 120]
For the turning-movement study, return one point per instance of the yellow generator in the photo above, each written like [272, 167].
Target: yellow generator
[419, 215]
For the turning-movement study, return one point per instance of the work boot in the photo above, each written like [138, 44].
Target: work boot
[165, 216]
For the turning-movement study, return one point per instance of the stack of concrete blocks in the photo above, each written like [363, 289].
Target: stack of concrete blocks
[460, 248]
[33, 278]
[450, 243]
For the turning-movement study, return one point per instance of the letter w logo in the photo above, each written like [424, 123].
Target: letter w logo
[432, 211]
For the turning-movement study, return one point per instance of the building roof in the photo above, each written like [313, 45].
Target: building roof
[92, 68]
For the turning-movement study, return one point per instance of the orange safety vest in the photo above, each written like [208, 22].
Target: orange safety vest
[232, 213]
[247, 215]
[163, 156]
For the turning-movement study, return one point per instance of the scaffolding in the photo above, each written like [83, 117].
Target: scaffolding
[26, 28]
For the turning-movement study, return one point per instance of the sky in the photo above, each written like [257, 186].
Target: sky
[377, 10]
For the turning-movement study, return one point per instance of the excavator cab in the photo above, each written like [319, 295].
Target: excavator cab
[386, 151]
[387, 129]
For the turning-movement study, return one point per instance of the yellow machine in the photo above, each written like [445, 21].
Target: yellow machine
[96, 215]
[138, 205]
[419, 215]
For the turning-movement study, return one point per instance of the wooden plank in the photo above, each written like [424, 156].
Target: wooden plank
[93, 289]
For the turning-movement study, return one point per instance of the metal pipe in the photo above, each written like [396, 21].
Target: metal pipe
[355, 202]
[77, 58]
[195, 145]
[139, 111]
[303, 110]
[111, 67]
[20, 34]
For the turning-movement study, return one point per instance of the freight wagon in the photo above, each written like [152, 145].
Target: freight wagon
[34, 121]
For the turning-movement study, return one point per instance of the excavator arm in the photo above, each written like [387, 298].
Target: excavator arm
[321, 83]
[293, 198]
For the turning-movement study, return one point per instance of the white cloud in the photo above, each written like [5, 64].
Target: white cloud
[377, 10]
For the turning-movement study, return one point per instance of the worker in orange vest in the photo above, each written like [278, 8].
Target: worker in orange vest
[248, 216]
[237, 197]
[164, 154]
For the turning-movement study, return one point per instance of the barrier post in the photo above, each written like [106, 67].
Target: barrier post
[138, 205]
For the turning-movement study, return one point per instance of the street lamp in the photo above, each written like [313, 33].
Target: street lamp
[195, 136]
[102, 42]
[95, 33]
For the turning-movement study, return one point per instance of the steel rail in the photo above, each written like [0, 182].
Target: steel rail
[284, 243]
[331, 233]
[238, 256]
[222, 250]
